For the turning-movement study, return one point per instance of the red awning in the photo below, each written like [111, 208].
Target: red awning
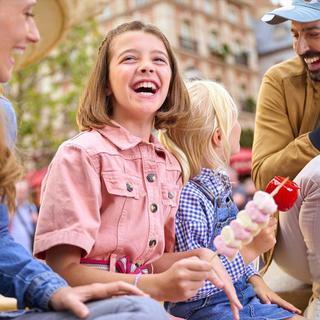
[35, 177]
[241, 161]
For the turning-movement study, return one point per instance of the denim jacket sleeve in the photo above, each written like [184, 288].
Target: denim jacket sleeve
[28, 280]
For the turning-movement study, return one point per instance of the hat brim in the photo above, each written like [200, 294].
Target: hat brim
[301, 14]
[54, 18]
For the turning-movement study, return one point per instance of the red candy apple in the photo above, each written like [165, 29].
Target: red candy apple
[286, 196]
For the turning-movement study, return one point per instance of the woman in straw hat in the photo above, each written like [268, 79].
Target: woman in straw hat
[32, 283]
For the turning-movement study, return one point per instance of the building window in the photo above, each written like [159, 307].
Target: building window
[213, 39]
[106, 13]
[240, 55]
[232, 14]
[185, 29]
[208, 8]
[185, 38]
[140, 2]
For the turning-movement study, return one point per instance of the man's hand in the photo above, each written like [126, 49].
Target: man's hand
[73, 299]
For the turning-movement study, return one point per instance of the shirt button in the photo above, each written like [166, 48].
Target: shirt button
[151, 177]
[153, 207]
[170, 195]
[129, 187]
[152, 243]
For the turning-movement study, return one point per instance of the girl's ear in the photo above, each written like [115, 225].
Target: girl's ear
[108, 90]
[216, 138]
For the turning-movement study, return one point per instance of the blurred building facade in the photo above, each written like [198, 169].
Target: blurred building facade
[213, 39]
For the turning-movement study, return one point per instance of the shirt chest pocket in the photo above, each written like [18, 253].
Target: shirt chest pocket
[123, 185]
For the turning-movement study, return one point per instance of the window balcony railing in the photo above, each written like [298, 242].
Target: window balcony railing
[188, 44]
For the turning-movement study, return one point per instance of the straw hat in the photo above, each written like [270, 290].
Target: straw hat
[54, 18]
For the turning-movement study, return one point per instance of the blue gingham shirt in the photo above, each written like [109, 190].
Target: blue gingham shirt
[195, 224]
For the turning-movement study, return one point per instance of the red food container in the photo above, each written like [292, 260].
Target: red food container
[286, 196]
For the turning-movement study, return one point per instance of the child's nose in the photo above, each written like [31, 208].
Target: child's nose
[146, 67]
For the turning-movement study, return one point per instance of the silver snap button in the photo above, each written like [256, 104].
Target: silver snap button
[129, 187]
[152, 243]
[151, 177]
[153, 207]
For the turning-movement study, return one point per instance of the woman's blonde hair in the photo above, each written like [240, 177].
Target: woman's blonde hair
[95, 107]
[191, 139]
[10, 170]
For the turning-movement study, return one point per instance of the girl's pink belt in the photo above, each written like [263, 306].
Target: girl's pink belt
[123, 265]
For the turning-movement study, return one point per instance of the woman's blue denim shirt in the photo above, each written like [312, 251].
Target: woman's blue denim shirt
[31, 282]
[11, 121]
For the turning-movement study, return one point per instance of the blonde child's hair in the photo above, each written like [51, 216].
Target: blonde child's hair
[95, 108]
[10, 170]
[191, 139]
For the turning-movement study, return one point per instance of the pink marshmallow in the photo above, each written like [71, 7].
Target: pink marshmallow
[224, 249]
[240, 232]
[256, 215]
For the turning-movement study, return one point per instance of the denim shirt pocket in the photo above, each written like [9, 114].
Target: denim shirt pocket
[123, 185]
[224, 215]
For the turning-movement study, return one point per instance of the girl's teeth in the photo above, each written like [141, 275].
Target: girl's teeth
[18, 51]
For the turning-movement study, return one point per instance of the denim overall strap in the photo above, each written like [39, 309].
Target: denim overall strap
[210, 196]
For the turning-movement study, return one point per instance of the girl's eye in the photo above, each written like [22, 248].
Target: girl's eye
[161, 60]
[129, 58]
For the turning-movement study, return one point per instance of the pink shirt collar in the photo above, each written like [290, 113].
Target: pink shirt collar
[125, 140]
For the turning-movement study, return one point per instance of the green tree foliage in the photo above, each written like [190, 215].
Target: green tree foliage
[46, 94]
[246, 139]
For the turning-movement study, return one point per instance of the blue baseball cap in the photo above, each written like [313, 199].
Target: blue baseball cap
[302, 11]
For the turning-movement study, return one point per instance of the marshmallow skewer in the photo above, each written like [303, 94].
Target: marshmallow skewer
[248, 223]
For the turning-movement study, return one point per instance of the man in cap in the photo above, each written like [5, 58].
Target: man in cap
[287, 143]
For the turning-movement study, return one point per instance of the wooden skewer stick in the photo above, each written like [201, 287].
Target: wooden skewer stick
[214, 255]
[276, 190]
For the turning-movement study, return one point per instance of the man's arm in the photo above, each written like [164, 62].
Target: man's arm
[277, 149]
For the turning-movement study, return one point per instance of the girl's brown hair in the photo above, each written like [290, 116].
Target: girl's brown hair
[10, 170]
[95, 107]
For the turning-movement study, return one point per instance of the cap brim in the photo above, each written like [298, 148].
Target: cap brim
[54, 18]
[295, 13]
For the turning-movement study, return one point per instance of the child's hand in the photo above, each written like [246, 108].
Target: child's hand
[264, 241]
[268, 296]
[218, 269]
[182, 280]
[228, 288]
[73, 299]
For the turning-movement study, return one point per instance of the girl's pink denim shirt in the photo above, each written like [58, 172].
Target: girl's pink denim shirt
[109, 192]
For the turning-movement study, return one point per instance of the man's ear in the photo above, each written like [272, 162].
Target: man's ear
[216, 138]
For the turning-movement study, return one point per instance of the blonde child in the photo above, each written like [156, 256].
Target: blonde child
[111, 194]
[203, 142]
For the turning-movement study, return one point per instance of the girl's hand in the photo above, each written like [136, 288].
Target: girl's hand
[73, 299]
[205, 265]
[268, 296]
[228, 287]
[181, 281]
[264, 241]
